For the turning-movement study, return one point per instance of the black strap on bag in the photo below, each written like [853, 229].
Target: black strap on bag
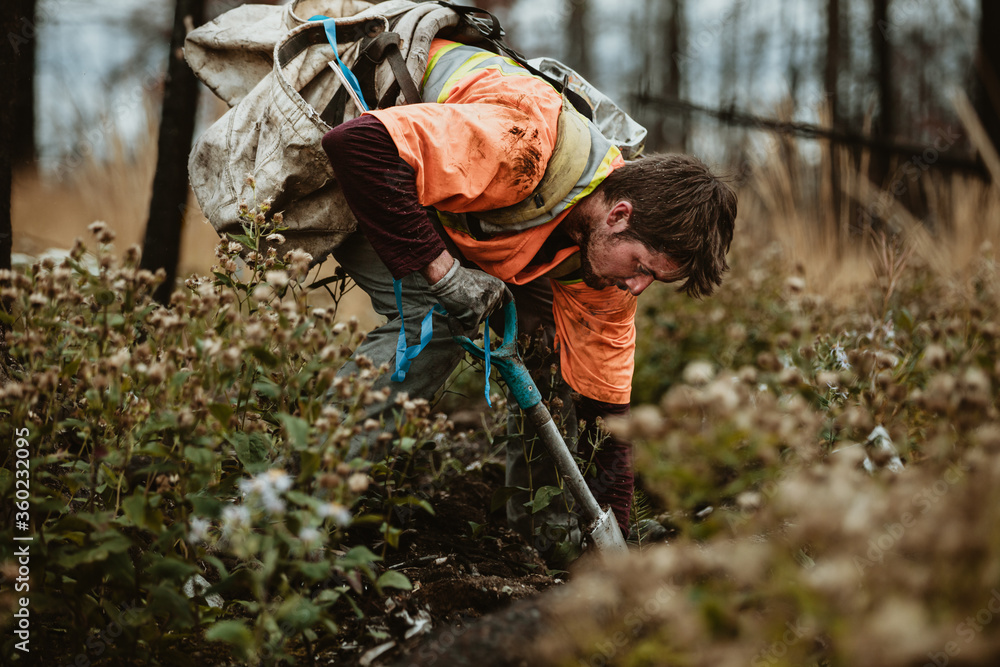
[489, 27]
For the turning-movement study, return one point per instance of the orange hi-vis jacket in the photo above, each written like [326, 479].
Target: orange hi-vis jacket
[480, 142]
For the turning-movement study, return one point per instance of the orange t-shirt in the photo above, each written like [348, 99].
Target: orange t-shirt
[485, 147]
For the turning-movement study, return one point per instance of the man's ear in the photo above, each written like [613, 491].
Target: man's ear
[619, 216]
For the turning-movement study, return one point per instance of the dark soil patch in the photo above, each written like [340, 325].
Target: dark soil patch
[457, 576]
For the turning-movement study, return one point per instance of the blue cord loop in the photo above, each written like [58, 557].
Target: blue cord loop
[406, 354]
[330, 26]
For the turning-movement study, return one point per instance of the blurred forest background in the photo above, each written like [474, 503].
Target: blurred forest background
[848, 93]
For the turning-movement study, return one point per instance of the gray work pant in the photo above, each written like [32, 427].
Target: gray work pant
[528, 465]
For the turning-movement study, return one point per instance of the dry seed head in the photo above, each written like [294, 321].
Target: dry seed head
[263, 292]
[699, 373]
[358, 482]
[646, 422]
[101, 231]
[795, 284]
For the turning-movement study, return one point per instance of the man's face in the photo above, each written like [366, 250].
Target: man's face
[607, 258]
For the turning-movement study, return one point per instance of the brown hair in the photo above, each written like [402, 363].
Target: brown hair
[680, 209]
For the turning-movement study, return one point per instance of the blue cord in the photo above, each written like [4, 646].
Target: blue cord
[330, 25]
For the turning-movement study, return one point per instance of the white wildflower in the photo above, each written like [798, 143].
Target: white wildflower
[267, 489]
[199, 529]
[280, 480]
[309, 535]
[339, 513]
[278, 279]
[118, 359]
[211, 346]
[841, 357]
[275, 238]
[234, 519]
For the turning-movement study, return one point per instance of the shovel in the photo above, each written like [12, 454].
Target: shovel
[600, 524]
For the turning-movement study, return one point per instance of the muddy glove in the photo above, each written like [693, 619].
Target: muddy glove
[469, 296]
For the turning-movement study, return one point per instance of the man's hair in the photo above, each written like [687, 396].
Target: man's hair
[680, 209]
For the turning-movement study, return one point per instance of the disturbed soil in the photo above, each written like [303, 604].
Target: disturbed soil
[459, 575]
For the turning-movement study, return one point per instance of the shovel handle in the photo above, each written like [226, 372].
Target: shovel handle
[508, 361]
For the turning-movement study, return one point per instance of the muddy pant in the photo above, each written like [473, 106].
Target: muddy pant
[528, 465]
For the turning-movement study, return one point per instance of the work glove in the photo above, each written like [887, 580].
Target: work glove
[469, 296]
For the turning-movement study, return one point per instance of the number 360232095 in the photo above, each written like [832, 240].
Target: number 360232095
[23, 471]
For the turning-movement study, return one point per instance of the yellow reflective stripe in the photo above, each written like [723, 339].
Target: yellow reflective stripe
[474, 62]
[437, 56]
[602, 172]
[462, 70]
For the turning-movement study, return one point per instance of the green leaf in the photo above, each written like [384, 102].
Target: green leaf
[223, 278]
[267, 389]
[543, 497]
[299, 613]
[200, 457]
[179, 380]
[331, 595]
[393, 579]
[309, 463]
[172, 568]
[296, 428]
[138, 509]
[357, 557]
[501, 496]
[104, 297]
[222, 412]
[206, 505]
[390, 534]
[234, 633]
[252, 449]
[97, 552]
[264, 355]
[314, 571]
[411, 501]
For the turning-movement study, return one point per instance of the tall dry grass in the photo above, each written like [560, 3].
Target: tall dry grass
[50, 210]
[826, 235]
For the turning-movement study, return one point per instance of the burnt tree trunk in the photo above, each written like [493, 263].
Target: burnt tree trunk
[22, 143]
[660, 40]
[831, 79]
[578, 38]
[988, 67]
[884, 126]
[8, 81]
[161, 247]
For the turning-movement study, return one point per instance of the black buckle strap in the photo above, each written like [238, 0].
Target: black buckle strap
[386, 47]
[494, 34]
[489, 27]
